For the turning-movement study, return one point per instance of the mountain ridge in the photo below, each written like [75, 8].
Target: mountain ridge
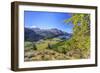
[35, 34]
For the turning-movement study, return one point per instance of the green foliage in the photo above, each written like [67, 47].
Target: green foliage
[81, 33]
[49, 46]
[34, 46]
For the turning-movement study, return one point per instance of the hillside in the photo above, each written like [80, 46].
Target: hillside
[36, 34]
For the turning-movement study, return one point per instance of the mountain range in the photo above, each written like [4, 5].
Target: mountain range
[36, 34]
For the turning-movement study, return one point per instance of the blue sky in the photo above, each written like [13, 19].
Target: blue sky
[47, 20]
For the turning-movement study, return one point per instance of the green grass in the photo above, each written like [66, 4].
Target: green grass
[43, 44]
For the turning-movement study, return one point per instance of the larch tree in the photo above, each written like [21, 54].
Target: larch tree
[81, 33]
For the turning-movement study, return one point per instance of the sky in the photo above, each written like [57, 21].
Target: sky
[47, 20]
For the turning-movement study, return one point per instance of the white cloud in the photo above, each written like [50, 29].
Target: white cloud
[31, 26]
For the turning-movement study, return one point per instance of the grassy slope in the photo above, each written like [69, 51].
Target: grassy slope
[58, 51]
[42, 44]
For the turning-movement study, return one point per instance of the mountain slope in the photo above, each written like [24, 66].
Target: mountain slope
[35, 34]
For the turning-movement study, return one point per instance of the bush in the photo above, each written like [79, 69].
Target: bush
[49, 46]
[34, 46]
